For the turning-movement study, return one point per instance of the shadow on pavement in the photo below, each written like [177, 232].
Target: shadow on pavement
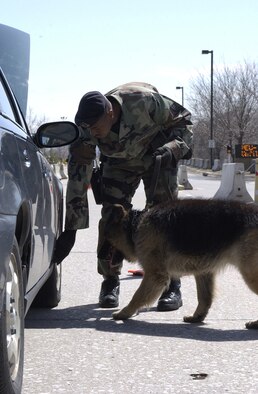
[91, 317]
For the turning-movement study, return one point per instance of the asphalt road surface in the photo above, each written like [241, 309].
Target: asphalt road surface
[78, 348]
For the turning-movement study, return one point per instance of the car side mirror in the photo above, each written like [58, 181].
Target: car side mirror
[56, 134]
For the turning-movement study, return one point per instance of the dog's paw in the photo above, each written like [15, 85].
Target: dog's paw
[252, 325]
[120, 315]
[193, 319]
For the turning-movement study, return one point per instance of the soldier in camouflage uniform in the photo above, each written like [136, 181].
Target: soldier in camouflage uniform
[131, 125]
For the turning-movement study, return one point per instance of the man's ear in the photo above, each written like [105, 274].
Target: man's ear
[109, 108]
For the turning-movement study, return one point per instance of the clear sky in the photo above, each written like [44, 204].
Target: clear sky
[83, 45]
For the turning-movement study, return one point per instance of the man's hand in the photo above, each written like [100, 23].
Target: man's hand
[167, 158]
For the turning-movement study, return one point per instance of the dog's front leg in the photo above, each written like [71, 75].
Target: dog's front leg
[205, 290]
[150, 289]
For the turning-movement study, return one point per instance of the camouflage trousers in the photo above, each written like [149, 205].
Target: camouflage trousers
[121, 179]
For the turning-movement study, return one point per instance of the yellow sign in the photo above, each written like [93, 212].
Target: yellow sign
[246, 151]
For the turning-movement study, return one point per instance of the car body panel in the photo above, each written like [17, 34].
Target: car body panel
[7, 228]
[28, 180]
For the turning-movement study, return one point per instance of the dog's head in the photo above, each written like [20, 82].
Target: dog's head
[120, 229]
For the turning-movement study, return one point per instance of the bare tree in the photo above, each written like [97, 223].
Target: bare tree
[235, 106]
[34, 121]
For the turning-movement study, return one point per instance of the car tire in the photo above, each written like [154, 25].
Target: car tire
[49, 295]
[12, 326]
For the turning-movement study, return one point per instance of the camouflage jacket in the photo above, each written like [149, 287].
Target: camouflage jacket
[145, 114]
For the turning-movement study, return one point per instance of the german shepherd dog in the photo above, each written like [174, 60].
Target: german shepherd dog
[186, 237]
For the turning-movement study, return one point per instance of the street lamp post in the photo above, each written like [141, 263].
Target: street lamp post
[211, 142]
[182, 88]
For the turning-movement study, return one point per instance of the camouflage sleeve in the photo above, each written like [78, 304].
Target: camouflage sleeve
[176, 123]
[181, 145]
[81, 152]
[77, 208]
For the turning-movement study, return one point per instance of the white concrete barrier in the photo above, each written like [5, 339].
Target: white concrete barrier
[54, 168]
[252, 167]
[200, 163]
[232, 185]
[206, 164]
[182, 177]
[61, 171]
[196, 163]
[216, 165]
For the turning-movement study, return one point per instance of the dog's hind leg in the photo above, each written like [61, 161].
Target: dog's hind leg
[205, 289]
[150, 289]
[250, 274]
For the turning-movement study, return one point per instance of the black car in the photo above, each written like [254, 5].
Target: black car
[31, 218]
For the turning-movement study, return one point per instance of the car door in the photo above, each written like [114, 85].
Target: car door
[52, 193]
[34, 188]
[32, 182]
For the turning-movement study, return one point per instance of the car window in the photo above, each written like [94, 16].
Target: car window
[5, 105]
[8, 107]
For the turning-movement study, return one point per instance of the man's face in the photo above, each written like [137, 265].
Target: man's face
[102, 127]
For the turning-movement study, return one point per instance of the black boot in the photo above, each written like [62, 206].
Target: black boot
[171, 300]
[64, 245]
[109, 292]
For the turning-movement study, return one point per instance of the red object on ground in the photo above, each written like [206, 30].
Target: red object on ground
[136, 272]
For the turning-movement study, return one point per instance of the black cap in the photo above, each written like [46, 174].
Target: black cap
[91, 108]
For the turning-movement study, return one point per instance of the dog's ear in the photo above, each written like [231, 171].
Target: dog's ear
[117, 213]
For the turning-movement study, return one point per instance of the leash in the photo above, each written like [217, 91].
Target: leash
[154, 180]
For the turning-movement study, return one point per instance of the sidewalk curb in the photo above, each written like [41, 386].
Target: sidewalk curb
[215, 174]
